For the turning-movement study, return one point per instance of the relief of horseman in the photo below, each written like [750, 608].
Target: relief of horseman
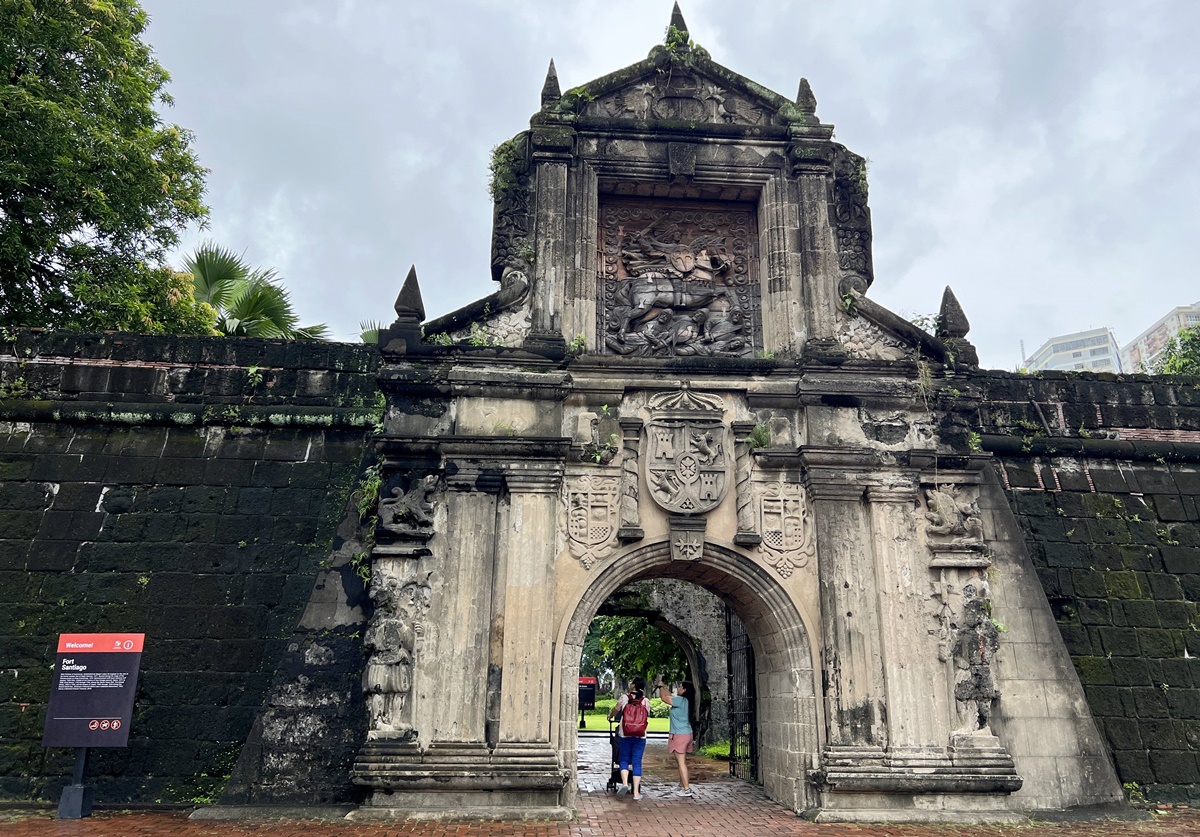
[665, 275]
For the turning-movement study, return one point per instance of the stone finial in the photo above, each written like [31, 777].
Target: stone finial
[805, 100]
[677, 20]
[551, 92]
[952, 322]
[409, 306]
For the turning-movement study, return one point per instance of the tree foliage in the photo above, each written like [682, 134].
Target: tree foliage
[94, 187]
[632, 646]
[248, 302]
[1181, 355]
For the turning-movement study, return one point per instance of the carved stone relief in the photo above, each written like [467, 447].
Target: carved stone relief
[592, 505]
[863, 339]
[508, 328]
[687, 461]
[953, 517]
[680, 97]
[785, 522]
[406, 517]
[852, 217]
[678, 280]
[391, 640]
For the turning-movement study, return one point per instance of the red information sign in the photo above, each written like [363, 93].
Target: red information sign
[91, 695]
[587, 693]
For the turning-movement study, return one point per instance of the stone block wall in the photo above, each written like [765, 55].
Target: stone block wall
[187, 488]
[1103, 474]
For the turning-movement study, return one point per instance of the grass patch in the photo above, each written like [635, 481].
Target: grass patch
[596, 720]
[716, 750]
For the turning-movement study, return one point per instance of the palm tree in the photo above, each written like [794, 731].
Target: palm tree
[249, 302]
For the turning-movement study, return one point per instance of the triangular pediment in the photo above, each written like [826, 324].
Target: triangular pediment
[677, 85]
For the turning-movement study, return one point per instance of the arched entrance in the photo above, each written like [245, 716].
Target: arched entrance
[788, 721]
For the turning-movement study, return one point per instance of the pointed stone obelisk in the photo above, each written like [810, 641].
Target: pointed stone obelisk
[952, 330]
[551, 92]
[806, 102]
[404, 335]
[677, 20]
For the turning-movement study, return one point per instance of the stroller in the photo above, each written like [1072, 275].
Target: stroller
[614, 776]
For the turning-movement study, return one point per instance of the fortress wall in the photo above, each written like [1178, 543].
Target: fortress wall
[187, 488]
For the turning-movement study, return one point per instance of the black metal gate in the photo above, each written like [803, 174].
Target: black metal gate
[743, 733]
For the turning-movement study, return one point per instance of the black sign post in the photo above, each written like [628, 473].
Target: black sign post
[91, 704]
[587, 697]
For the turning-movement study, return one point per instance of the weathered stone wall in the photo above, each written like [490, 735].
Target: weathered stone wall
[1103, 474]
[188, 488]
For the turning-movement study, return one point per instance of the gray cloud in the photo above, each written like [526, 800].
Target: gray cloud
[1038, 157]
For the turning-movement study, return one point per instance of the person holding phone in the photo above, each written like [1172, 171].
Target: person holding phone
[679, 740]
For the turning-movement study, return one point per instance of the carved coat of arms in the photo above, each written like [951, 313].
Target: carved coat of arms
[592, 517]
[687, 461]
[787, 530]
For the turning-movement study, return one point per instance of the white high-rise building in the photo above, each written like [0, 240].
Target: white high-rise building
[1141, 353]
[1095, 350]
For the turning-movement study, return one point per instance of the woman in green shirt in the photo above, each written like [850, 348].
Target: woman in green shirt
[679, 741]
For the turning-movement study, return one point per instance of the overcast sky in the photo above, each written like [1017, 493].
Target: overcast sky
[1039, 157]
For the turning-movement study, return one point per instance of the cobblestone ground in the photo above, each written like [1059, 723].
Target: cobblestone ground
[722, 807]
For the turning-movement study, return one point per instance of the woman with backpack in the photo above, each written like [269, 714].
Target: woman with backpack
[679, 741]
[633, 710]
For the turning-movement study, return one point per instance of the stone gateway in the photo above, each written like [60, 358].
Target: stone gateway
[681, 377]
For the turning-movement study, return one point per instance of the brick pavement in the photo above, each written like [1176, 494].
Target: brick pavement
[722, 807]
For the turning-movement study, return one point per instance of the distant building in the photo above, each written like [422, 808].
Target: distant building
[1142, 352]
[1093, 351]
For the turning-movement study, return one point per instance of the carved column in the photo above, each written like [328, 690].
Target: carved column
[550, 238]
[453, 696]
[747, 530]
[528, 602]
[850, 628]
[631, 521]
[915, 691]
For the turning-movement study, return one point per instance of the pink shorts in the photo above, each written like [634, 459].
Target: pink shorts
[680, 743]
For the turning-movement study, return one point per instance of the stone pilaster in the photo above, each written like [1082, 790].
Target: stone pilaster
[550, 262]
[915, 691]
[529, 602]
[631, 521]
[854, 690]
[747, 530]
[452, 701]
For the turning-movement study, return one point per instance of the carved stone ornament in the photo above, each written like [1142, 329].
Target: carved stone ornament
[592, 504]
[687, 461]
[678, 280]
[863, 339]
[680, 97]
[406, 517]
[954, 519]
[391, 641]
[687, 538]
[852, 217]
[786, 527]
[507, 328]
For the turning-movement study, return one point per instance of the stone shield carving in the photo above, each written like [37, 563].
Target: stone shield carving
[687, 461]
[592, 517]
[786, 527]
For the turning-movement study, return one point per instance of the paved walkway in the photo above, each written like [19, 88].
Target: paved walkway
[722, 807]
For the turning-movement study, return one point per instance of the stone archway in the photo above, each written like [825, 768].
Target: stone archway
[789, 720]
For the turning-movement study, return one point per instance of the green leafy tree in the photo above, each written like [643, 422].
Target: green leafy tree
[248, 302]
[1181, 355]
[632, 646]
[94, 187]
